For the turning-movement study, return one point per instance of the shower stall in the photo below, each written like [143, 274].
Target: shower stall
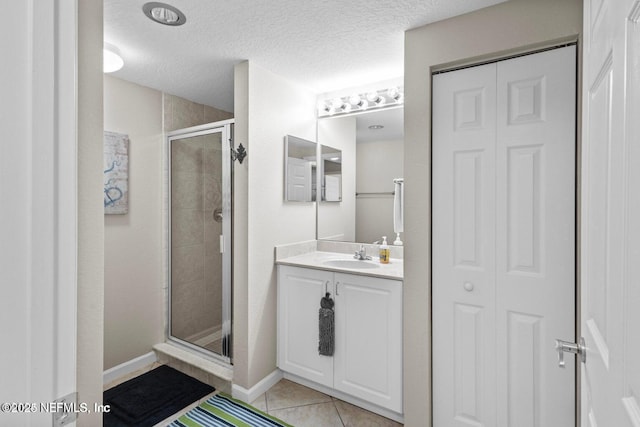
[200, 200]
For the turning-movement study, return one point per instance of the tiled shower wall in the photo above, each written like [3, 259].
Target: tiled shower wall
[196, 192]
[180, 113]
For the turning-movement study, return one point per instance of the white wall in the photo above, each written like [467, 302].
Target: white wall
[267, 107]
[510, 27]
[337, 220]
[133, 288]
[378, 163]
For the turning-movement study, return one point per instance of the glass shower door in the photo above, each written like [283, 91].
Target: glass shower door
[200, 239]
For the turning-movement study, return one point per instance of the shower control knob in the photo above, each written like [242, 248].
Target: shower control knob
[468, 286]
[217, 215]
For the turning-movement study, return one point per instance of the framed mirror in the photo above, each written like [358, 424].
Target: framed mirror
[300, 169]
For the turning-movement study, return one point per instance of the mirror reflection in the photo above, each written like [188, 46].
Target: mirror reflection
[300, 169]
[331, 174]
[372, 148]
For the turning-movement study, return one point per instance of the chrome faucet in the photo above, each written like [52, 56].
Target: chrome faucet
[362, 254]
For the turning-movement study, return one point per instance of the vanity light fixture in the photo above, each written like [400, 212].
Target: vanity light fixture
[163, 13]
[395, 94]
[355, 103]
[359, 102]
[111, 59]
[326, 109]
[376, 98]
[340, 106]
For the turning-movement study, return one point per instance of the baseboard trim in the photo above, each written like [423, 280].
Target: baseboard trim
[126, 368]
[249, 395]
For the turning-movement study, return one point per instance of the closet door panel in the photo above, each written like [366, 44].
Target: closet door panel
[535, 237]
[463, 247]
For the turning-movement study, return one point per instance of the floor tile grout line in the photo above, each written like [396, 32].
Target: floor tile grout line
[338, 412]
[301, 406]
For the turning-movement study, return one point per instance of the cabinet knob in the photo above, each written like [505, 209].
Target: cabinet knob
[468, 286]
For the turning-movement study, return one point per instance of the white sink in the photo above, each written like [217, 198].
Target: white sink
[350, 263]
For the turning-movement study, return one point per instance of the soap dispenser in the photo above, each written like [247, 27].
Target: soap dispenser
[384, 251]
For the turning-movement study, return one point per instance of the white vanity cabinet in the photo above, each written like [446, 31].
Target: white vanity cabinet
[368, 356]
[367, 363]
[299, 294]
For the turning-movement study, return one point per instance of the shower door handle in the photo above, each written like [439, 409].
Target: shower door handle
[221, 244]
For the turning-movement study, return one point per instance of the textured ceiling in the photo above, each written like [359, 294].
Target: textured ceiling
[325, 44]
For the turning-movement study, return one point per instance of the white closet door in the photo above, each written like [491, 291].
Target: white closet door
[498, 308]
[535, 238]
[464, 133]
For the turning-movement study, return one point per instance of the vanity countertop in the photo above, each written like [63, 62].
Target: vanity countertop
[322, 261]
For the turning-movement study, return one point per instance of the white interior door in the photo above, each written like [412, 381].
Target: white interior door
[504, 242]
[610, 272]
[38, 189]
[298, 180]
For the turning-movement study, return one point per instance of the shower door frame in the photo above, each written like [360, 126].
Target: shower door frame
[225, 128]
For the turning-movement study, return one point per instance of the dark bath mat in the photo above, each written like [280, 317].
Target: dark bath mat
[150, 398]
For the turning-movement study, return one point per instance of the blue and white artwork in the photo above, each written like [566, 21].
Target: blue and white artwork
[116, 173]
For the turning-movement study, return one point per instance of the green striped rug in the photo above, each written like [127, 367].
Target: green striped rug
[223, 410]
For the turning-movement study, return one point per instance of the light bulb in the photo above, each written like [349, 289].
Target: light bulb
[325, 108]
[354, 99]
[111, 59]
[395, 94]
[373, 96]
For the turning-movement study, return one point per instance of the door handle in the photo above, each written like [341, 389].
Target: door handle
[571, 347]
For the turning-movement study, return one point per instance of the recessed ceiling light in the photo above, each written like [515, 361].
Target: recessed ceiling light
[164, 14]
[376, 127]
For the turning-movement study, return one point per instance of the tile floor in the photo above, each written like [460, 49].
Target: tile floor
[295, 404]
[303, 407]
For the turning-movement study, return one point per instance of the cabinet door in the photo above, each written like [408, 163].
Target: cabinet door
[368, 354]
[299, 294]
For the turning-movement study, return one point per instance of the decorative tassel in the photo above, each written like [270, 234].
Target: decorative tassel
[326, 326]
